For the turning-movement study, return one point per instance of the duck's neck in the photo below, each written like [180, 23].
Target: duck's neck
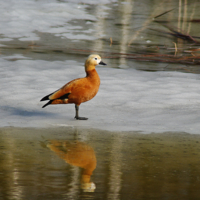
[91, 73]
[93, 76]
[89, 67]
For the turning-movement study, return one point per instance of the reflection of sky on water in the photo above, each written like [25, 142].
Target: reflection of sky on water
[126, 22]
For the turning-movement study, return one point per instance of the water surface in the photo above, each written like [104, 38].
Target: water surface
[43, 44]
[122, 31]
[48, 164]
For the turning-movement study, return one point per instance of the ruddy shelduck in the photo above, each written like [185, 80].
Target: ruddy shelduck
[78, 90]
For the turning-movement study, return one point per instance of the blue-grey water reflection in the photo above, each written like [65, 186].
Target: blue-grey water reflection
[120, 30]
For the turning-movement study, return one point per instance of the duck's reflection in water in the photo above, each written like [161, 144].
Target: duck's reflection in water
[77, 154]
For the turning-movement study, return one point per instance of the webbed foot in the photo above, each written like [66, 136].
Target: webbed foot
[81, 118]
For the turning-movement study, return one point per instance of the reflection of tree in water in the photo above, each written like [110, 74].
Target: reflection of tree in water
[77, 154]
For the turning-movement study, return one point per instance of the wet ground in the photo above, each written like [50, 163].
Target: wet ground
[75, 163]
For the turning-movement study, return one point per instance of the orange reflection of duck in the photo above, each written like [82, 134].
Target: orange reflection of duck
[77, 154]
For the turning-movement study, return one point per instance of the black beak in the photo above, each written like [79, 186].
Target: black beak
[102, 63]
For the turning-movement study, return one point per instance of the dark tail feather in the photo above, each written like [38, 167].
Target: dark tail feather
[46, 103]
[46, 97]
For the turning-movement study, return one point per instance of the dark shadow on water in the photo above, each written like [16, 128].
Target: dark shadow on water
[25, 113]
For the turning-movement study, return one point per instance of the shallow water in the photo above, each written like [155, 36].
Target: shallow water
[127, 165]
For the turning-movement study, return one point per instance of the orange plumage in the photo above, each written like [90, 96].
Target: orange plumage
[79, 90]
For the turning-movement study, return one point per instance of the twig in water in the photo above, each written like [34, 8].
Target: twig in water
[163, 13]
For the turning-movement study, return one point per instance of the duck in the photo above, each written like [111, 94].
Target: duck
[78, 90]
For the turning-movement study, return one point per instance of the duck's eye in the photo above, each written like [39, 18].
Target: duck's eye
[95, 58]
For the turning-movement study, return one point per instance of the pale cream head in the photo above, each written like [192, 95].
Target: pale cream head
[92, 61]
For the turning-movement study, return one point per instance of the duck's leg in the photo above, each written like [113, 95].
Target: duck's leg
[77, 117]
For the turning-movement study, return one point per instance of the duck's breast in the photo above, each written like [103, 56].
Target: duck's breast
[85, 89]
